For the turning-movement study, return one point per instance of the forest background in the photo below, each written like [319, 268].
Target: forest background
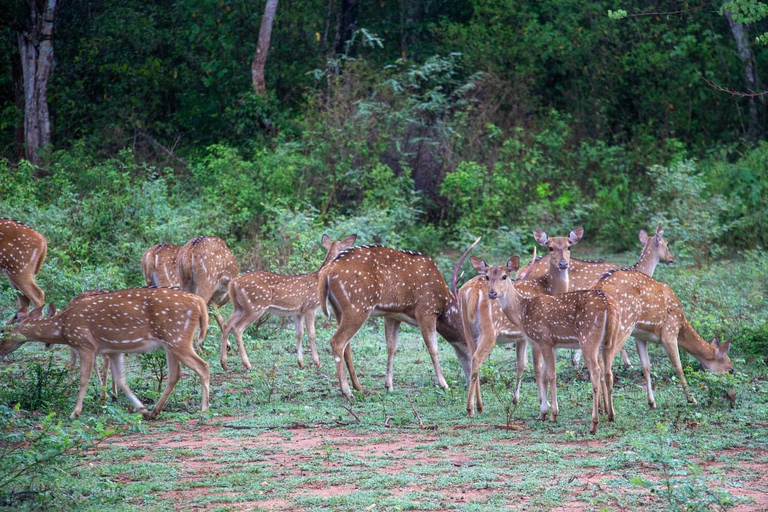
[416, 124]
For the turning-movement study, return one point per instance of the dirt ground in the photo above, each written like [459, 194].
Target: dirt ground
[282, 455]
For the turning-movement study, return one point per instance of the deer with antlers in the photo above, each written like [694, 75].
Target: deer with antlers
[401, 286]
[22, 253]
[484, 322]
[651, 312]
[255, 293]
[206, 266]
[116, 323]
[160, 267]
[587, 319]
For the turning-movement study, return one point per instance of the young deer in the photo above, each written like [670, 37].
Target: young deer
[116, 323]
[22, 252]
[258, 292]
[206, 266]
[159, 266]
[484, 322]
[651, 312]
[401, 286]
[587, 319]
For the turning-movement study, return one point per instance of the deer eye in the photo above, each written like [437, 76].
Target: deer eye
[550, 249]
[503, 277]
[487, 278]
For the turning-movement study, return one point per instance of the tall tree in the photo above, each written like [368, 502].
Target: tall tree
[37, 63]
[262, 48]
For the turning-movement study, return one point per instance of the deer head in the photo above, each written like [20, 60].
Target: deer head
[559, 247]
[495, 274]
[656, 246]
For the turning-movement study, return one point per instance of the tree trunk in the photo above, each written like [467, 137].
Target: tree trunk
[739, 33]
[346, 27]
[37, 63]
[262, 48]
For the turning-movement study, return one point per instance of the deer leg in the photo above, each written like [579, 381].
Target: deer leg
[391, 331]
[548, 372]
[197, 365]
[576, 357]
[645, 361]
[309, 323]
[348, 326]
[484, 346]
[118, 375]
[351, 367]
[241, 325]
[225, 330]
[427, 323]
[669, 342]
[520, 361]
[174, 374]
[297, 322]
[28, 291]
[593, 365]
[86, 366]
[625, 357]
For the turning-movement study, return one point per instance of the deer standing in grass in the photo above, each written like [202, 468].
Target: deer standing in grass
[401, 286]
[116, 323]
[584, 274]
[160, 267]
[484, 322]
[651, 312]
[255, 293]
[22, 253]
[586, 319]
[206, 266]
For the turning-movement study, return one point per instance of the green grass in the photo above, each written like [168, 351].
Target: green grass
[297, 447]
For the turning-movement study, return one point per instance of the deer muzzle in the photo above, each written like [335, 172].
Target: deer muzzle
[492, 294]
[562, 264]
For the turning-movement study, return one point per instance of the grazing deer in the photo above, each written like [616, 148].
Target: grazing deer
[22, 253]
[651, 312]
[159, 266]
[401, 286]
[258, 292]
[116, 323]
[588, 319]
[484, 322]
[206, 266]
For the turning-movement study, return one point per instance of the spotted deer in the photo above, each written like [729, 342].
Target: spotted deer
[401, 286]
[121, 322]
[206, 266]
[651, 312]
[484, 322]
[588, 319]
[255, 293]
[584, 274]
[22, 253]
[159, 266]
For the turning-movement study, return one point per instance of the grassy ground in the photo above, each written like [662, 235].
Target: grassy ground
[279, 437]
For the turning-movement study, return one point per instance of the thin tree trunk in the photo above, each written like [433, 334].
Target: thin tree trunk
[37, 63]
[752, 81]
[262, 48]
[346, 27]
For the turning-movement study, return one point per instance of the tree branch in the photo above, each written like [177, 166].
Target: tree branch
[731, 92]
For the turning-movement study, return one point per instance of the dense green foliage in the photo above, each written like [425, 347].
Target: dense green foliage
[442, 118]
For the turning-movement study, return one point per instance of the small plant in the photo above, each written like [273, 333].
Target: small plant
[46, 387]
[155, 363]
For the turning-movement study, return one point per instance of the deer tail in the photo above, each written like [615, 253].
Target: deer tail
[203, 309]
[322, 290]
[41, 258]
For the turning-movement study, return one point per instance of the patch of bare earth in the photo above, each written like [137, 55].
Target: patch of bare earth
[285, 454]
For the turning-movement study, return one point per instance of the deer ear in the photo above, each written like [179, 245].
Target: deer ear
[715, 342]
[326, 242]
[540, 237]
[643, 236]
[575, 235]
[51, 310]
[513, 264]
[723, 350]
[659, 232]
[479, 265]
[348, 242]
[36, 313]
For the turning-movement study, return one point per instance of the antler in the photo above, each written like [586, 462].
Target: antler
[530, 266]
[458, 265]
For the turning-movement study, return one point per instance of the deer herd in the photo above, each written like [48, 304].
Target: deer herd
[553, 302]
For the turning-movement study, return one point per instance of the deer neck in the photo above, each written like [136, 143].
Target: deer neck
[648, 261]
[690, 341]
[47, 330]
[557, 281]
[514, 303]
